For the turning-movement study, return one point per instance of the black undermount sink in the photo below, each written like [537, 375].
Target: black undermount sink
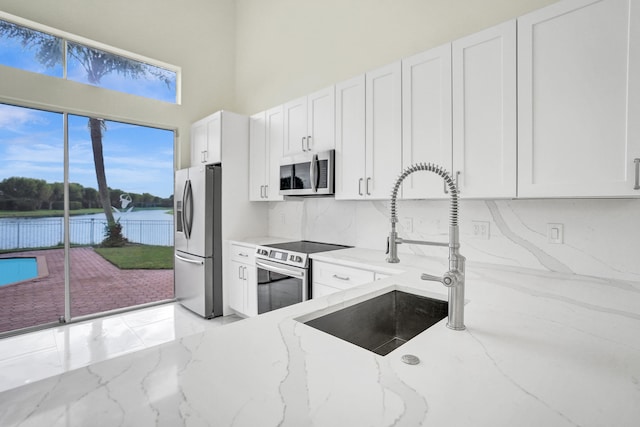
[383, 323]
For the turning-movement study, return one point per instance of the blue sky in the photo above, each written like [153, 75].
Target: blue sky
[137, 159]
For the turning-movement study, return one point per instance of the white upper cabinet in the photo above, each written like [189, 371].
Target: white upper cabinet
[350, 170]
[484, 113]
[258, 158]
[578, 99]
[309, 123]
[206, 137]
[383, 130]
[426, 120]
[265, 152]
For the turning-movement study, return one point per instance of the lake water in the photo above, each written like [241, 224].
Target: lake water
[150, 227]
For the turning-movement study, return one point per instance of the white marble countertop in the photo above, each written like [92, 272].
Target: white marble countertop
[540, 349]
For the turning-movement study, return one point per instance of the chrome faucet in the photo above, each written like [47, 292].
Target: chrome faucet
[454, 278]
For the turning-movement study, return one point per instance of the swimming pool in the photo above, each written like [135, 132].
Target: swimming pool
[17, 269]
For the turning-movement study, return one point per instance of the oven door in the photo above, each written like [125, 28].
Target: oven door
[280, 285]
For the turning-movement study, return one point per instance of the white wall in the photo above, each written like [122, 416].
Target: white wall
[198, 35]
[288, 48]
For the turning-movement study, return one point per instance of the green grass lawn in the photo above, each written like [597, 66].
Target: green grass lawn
[139, 256]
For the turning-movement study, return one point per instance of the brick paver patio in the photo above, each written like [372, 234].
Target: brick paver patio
[96, 286]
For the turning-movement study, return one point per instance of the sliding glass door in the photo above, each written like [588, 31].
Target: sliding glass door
[99, 240]
[31, 218]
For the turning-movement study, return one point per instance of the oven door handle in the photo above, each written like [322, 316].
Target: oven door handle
[280, 270]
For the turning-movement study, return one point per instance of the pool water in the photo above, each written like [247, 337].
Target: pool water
[17, 269]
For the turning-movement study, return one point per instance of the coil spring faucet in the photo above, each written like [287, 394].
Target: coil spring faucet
[454, 278]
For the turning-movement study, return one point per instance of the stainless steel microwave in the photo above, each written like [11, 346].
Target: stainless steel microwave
[308, 174]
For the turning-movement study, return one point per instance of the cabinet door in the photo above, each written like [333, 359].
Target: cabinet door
[319, 290]
[484, 113]
[251, 290]
[350, 139]
[383, 130]
[198, 142]
[214, 139]
[321, 120]
[236, 291]
[578, 99]
[426, 120]
[274, 134]
[258, 158]
[295, 126]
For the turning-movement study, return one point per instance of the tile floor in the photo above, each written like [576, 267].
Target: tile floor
[36, 355]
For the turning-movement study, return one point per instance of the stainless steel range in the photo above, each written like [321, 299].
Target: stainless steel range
[284, 271]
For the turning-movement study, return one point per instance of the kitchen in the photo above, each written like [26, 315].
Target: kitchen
[512, 234]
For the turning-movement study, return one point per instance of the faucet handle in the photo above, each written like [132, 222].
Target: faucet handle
[449, 279]
[430, 277]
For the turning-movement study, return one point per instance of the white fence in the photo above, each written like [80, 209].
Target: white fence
[22, 233]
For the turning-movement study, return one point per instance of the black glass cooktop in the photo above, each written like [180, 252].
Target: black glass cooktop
[307, 247]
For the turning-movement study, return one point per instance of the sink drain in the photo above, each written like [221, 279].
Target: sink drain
[410, 359]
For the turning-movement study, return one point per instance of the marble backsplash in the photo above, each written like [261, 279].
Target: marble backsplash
[601, 236]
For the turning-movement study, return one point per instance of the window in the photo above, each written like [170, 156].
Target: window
[41, 52]
[30, 50]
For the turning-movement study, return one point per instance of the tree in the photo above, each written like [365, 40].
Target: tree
[97, 64]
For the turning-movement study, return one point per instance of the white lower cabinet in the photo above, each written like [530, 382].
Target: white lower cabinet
[329, 278]
[242, 285]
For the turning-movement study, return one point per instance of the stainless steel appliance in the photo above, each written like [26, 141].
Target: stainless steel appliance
[284, 272]
[308, 174]
[198, 242]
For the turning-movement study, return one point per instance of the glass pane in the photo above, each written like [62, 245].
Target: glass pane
[30, 50]
[131, 262]
[109, 71]
[31, 223]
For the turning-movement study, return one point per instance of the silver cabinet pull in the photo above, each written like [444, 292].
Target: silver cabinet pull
[262, 191]
[266, 191]
[303, 138]
[341, 277]
[244, 273]
[240, 272]
[360, 186]
[637, 186]
[309, 143]
[368, 180]
[242, 254]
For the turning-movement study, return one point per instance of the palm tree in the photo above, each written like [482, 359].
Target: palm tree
[97, 64]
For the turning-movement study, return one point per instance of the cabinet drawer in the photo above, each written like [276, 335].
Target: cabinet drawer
[244, 254]
[338, 276]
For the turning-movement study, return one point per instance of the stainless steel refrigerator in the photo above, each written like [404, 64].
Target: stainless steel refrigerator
[198, 241]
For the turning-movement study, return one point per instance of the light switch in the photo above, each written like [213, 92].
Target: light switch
[555, 233]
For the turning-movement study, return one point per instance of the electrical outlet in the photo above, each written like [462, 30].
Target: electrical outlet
[480, 229]
[407, 225]
[555, 233]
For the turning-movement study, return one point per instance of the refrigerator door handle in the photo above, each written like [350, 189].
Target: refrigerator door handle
[191, 261]
[187, 211]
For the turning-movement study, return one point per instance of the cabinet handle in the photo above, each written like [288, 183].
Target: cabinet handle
[262, 191]
[244, 273]
[240, 272]
[637, 162]
[204, 156]
[341, 277]
[266, 191]
[303, 138]
[309, 143]
[360, 187]
[368, 180]
[242, 254]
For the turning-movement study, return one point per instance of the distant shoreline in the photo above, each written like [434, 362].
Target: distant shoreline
[59, 213]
